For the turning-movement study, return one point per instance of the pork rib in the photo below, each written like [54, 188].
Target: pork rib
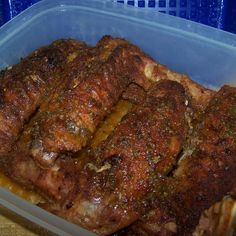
[73, 117]
[24, 86]
[113, 184]
[203, 177]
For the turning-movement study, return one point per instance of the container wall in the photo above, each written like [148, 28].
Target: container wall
[206, 54]
[207, 61]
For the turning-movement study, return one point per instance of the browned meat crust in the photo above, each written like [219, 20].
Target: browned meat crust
[110, 189]
[134, 94]
[200, 96]
[71, 119]
[113, 185]
[203, 177]
[25, 85]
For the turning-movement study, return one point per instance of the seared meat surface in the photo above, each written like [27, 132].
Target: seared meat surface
[113, 184]
[55, 100]
[200, 96]
[203, 177]
[72, 118]
[26, 85]
[58, 181]
[112, 66]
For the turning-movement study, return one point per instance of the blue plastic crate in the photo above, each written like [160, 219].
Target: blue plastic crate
[11, 8]
[216, 13]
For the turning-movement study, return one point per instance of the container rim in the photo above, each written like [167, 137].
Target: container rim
[149, 17]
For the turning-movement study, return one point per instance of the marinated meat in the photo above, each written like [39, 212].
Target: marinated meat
[72, 118]
[53, 102]
[26, 85]
[203, 177]
[113, 184]
[134, 94]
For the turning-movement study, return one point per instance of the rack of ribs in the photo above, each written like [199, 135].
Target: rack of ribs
[71, 118]
[205, 175]
[113, 183]
[86, 70]
[26, 85]
[108, 187]
[67, 83]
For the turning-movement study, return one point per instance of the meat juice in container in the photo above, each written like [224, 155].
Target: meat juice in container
[206, 54]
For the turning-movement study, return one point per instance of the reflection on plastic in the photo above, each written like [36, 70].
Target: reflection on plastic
[215, 13]
[39, 216]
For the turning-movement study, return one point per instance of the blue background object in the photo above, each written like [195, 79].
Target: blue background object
[216, 13]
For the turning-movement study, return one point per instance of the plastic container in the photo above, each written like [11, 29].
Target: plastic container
[216, 13]
[206, 54]
[39, 216]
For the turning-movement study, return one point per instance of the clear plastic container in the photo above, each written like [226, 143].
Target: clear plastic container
[216, 13]
[206, 54]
